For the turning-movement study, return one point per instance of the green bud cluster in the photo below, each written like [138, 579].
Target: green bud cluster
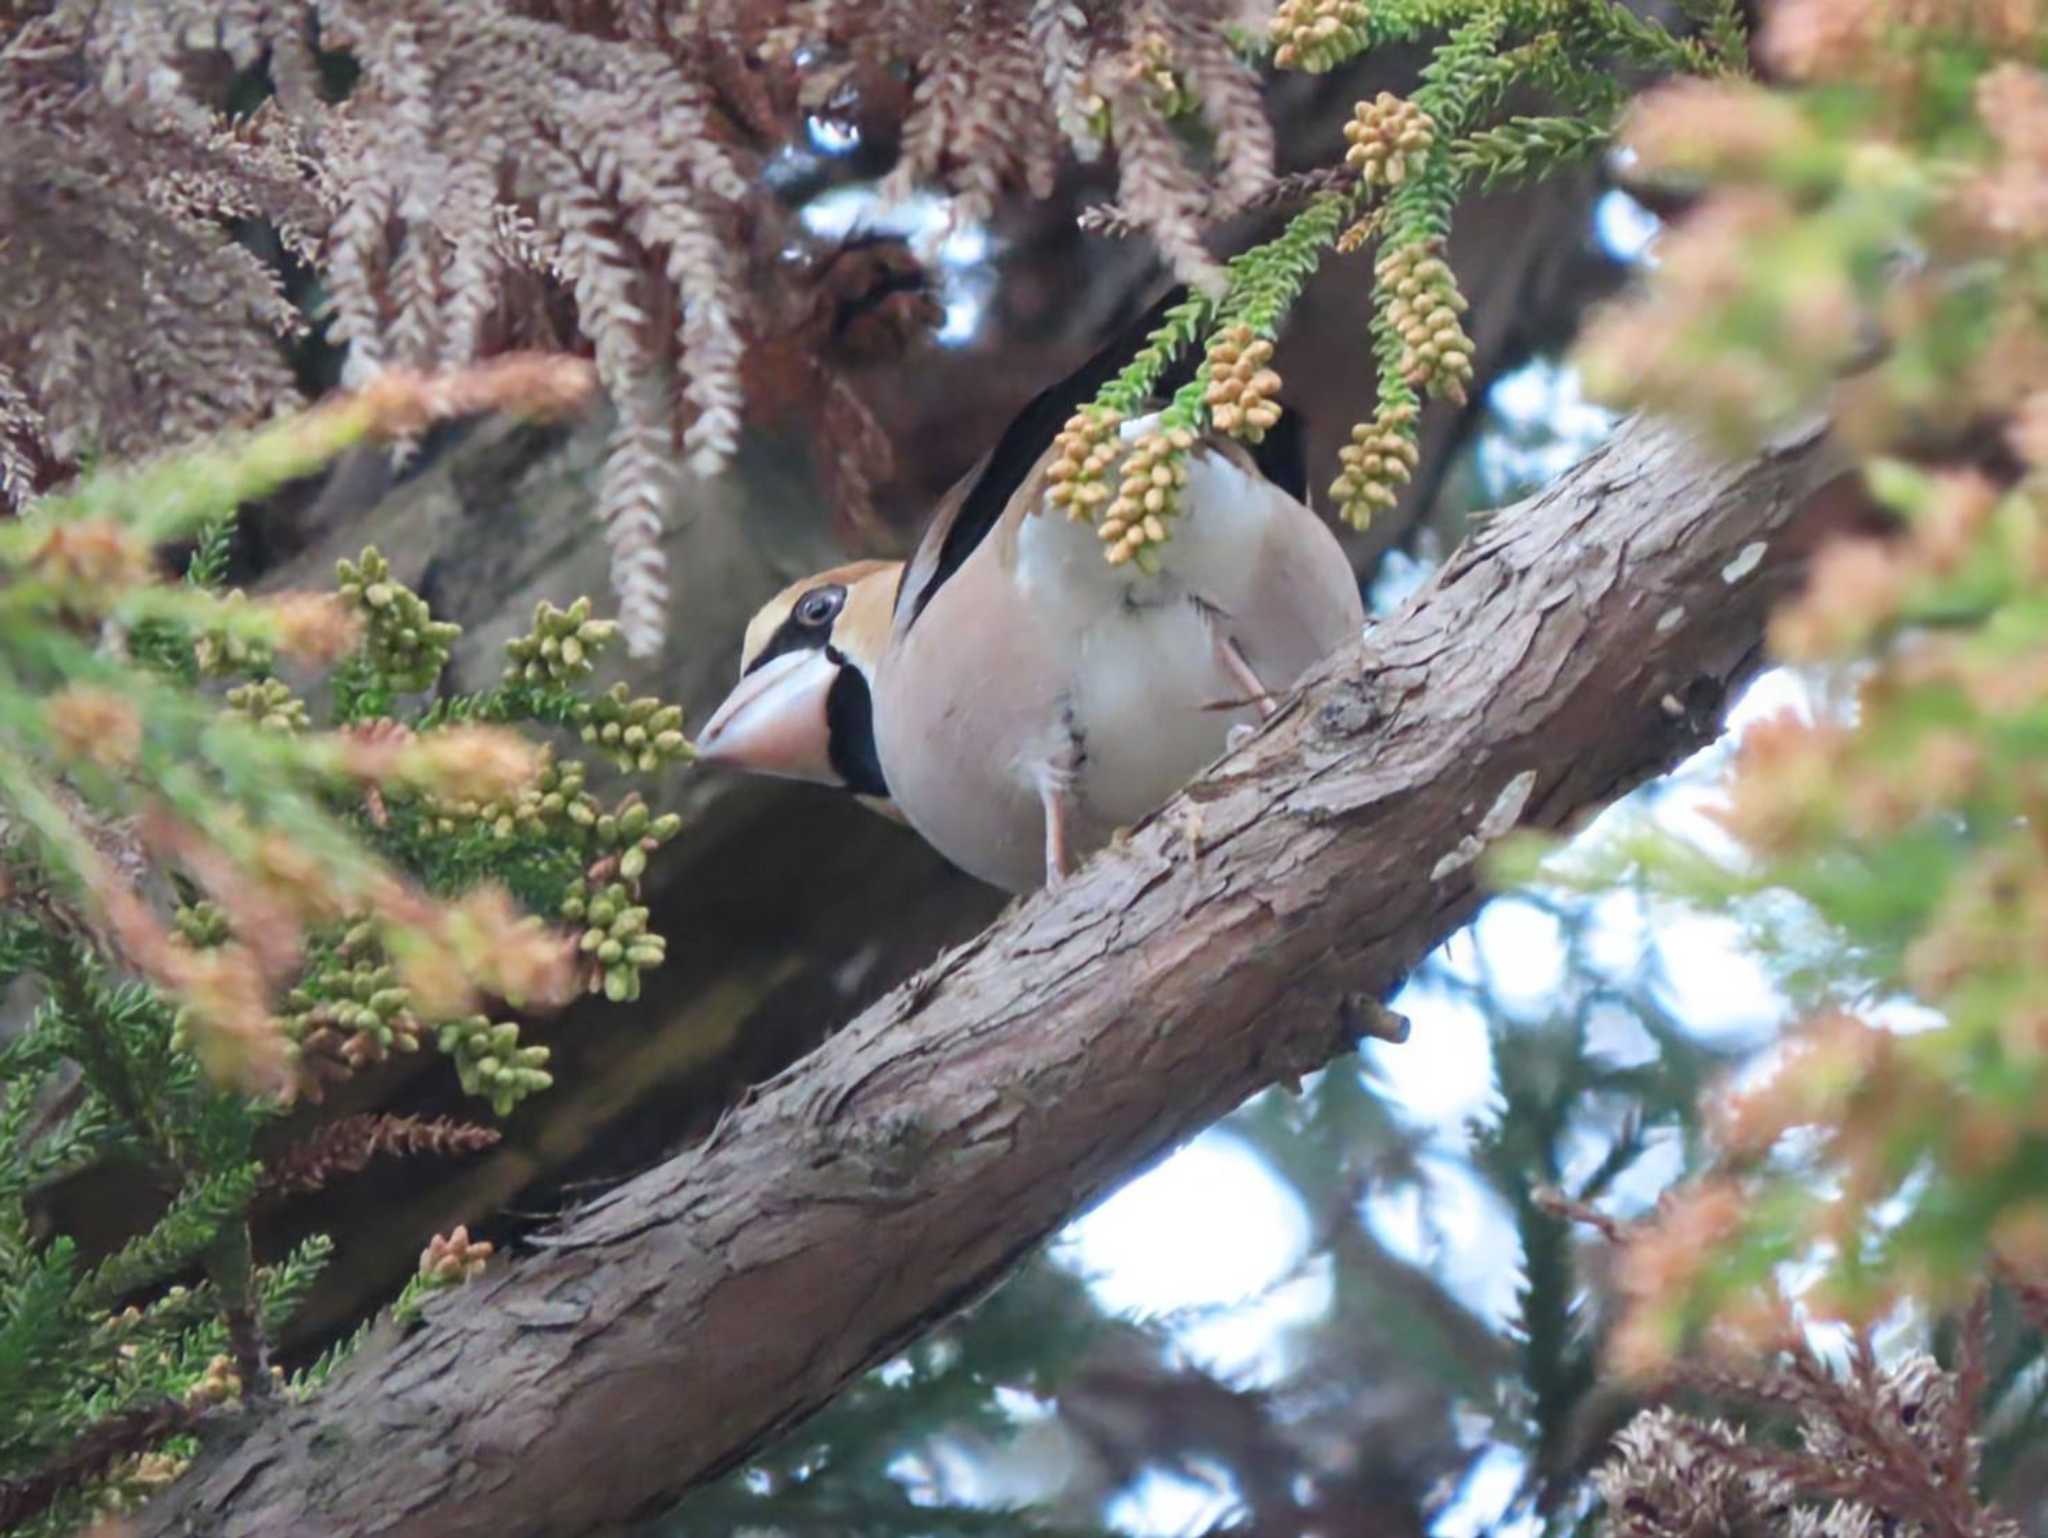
[491, 1063]
[641, 734]
[615, 934]
[203, 923]
[562, 646]
[354, 1011]
[636, 832]
[271, 704]
[221, 652]
[402, 639]
[1315, 36]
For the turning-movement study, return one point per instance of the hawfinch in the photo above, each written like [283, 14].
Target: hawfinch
[1019, 698]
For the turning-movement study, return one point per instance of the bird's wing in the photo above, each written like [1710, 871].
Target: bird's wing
[1301, 599]
[988, 494]
[1281, 456]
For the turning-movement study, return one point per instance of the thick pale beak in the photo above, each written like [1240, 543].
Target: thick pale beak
[773, 722]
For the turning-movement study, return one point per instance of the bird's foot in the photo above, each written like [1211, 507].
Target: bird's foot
[1059, 851]
[1234, 663]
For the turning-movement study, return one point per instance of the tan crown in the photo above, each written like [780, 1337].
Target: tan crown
[870, 595]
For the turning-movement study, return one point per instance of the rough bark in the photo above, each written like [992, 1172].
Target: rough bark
[1580, 643]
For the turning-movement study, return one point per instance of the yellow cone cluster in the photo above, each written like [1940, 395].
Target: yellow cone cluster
[1241, 386]
[218, 1384]
[1436, 354]
[1390, 138]
[561, 646]
[130, 1485]
[1317, 35]
[1377, 462]
[271, 704]
[1153, 474]
[455, 1257]
[404, 640]
[1149, 66]
[1082, 454]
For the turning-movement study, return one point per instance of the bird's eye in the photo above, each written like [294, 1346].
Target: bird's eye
[820, 606]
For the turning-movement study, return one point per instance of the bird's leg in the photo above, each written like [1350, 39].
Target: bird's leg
[1233, 662]
[1059, 854]
[1056, 795]
[1231, 659]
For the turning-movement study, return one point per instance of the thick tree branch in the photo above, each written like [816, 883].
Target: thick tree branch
[1585, 640]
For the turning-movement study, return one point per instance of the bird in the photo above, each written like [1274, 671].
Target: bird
[1025, 698]
[803, 708]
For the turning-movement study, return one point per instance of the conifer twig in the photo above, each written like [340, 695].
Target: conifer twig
[102, 1446]
[230, 1265]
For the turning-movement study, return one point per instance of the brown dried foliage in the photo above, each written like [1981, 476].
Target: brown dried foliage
[347, 1145]
[1887, 1446]
[502, 165]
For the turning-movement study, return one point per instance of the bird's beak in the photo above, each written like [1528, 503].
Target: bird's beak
[773, 722]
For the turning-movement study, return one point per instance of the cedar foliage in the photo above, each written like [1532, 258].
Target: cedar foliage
[1866, 241]
[223, 910]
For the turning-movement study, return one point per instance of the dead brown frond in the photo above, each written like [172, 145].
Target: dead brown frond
[500, 166]
[346, 1147]
[1873, 1446]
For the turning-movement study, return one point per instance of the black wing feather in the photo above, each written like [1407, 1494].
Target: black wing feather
[1031, 433]
[1281, 456]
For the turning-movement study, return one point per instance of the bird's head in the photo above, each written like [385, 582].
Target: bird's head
[804, 706]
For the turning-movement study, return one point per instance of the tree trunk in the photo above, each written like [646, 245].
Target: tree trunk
[1582, 642]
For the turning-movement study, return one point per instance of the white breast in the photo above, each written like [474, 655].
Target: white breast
[1215, 548]
[1145, 679]
[1038, 665]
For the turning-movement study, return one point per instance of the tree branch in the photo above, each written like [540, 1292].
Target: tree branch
[1585, 640]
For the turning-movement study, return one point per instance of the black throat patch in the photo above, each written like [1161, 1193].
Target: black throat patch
[850, 730]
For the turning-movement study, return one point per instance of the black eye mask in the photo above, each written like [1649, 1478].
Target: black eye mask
[809, 626]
